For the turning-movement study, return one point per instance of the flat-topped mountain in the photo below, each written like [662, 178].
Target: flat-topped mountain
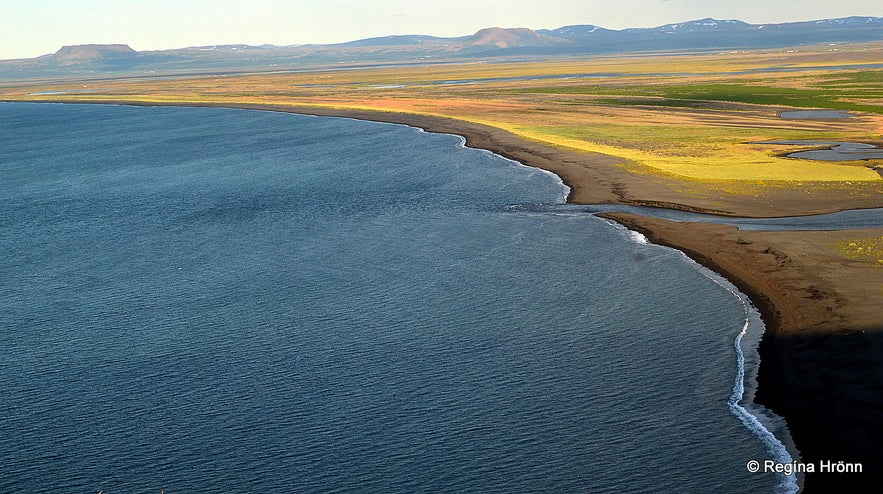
[94, 52]
[696, 35]
[94, 56]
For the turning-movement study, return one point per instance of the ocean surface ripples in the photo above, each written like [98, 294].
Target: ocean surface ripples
[204, 300]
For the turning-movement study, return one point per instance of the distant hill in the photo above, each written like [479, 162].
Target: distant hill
[496, 37]
[397, 41]
[69, 55]
[714, 34]
[695, 35]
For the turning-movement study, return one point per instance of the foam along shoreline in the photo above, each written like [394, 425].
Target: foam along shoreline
[781, 385]
[769, 428]
[806, 375]
[774, 442]
[822, 352]
[593, 178]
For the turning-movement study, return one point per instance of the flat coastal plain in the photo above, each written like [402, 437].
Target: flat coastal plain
[675, 130]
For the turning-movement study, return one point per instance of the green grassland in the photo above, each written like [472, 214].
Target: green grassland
[830, 95]
[689, 117]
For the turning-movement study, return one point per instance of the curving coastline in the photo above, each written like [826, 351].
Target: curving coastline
[822, 352]
[593, 178]
[809, 373]
[822, 356]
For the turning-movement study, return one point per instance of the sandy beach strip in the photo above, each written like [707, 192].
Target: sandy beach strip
[822, 356]
[822, 352]
[798, 279]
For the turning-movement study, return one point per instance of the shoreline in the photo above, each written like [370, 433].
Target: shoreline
[821, 360]
[593, 178]
[806, 332]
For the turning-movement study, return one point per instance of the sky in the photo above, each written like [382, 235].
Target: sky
[30, 28]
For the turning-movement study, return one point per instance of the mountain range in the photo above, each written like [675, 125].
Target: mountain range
[697, 35]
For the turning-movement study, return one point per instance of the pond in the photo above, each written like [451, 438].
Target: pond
[815, 114]
[833, 151]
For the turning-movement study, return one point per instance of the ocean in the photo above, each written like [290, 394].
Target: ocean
[212, 300]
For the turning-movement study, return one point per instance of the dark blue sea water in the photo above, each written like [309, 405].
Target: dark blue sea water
[204, 300]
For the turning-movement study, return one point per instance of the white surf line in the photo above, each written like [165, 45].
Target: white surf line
[566, 189]
[787, 484]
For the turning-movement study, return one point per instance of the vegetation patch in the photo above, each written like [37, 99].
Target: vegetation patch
[837, 94]
[690, 117]
[710, 154]
[870, 248]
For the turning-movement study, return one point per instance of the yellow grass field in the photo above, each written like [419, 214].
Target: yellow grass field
[691, 117]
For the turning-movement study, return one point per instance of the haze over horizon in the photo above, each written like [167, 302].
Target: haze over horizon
[34, 28]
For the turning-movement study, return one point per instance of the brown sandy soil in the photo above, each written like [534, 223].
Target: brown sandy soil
[799, 279]
[596, 178]
[593, 178]
[822, 355]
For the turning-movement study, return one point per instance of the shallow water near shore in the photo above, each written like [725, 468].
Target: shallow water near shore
[206, 300]
[841, 220]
